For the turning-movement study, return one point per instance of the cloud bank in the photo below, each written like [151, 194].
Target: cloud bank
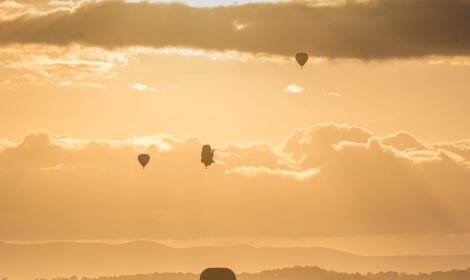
[380, 29]
[327, 179]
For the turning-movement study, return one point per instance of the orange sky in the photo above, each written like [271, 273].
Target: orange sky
[367, 140]
[223, 99]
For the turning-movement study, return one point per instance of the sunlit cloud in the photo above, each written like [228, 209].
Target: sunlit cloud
[61, 65]
[293, 88]
[76, 64]
[328, 3]
[239, 25]
[60, 3]
[142, 87]
[213, 55]
[334, 168]
[228, 55]
[69, 83]
[162, 141]
[254, 171]
[209, 3]
[332, 94]
[11, 10]
[11, 4]
[455, 61]
[5, 143]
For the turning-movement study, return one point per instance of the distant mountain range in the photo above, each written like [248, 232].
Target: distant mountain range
[30, 261]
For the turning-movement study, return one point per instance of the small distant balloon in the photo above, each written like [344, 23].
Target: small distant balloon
[143, 159]
[301, 58]
[207, 155]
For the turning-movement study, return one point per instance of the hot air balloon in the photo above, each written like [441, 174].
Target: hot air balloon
[301, 58]
[217, 273]
[143, 159]
[207, 155]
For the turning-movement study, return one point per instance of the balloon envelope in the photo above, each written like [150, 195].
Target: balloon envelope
[207, 155]
[217, 273]
[301, 58]
[143, 159]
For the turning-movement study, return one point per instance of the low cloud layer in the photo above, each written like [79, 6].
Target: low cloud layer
[327, 179]
[379, 29]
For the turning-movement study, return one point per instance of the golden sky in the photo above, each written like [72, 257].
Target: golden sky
[370, 138]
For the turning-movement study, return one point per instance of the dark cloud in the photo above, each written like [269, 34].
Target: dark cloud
[379, 29]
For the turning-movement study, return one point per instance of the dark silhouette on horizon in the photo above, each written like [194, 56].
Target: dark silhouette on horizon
[217, 273]
[292, 273]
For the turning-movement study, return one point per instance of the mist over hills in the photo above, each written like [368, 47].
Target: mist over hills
[63, 259]
[299, 273]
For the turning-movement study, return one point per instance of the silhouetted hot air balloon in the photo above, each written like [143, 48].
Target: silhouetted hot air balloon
[207, 155]
[217, 273]
[143, 159]
[301, 58]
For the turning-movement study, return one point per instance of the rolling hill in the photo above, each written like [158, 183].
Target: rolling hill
[20, 261]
